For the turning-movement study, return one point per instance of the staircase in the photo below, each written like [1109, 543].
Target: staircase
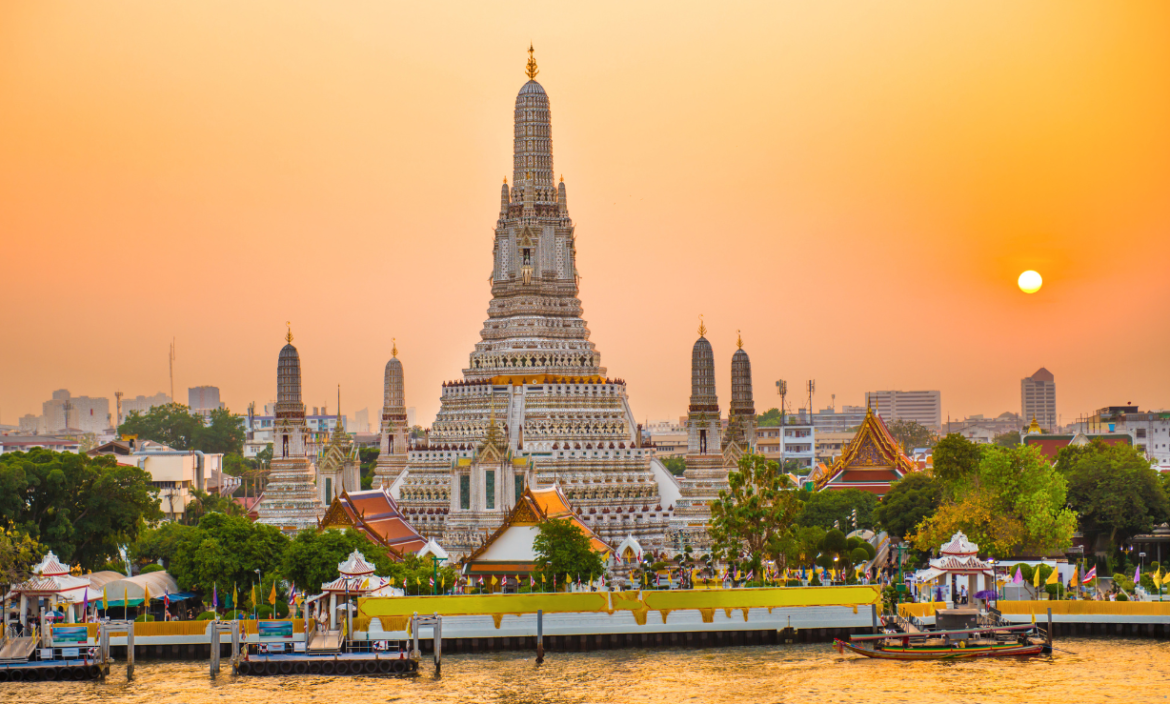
[321, 642]
[18, 649]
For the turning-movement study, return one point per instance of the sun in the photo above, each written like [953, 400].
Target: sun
[1030, 281]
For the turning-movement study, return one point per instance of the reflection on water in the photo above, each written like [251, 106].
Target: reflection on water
[1101, 670]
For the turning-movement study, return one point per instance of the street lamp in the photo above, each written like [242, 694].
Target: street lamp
[260, 581]
[435, 560]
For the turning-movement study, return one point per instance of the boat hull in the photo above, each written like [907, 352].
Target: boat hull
[944, 653]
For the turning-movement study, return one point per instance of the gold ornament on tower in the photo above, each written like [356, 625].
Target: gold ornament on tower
[531, 69]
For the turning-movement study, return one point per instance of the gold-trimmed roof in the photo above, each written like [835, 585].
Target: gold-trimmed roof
[873, 448]
[535, 507]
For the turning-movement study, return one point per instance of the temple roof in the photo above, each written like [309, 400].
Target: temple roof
[512, 541]
[50, 566]
[959, 545]
[375, 514]
[355, 565]
[873, 449]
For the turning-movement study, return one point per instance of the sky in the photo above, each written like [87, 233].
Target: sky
[853, 185]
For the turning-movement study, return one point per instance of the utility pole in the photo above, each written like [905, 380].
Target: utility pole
[172, 362]
[812, 387]
[782, 389]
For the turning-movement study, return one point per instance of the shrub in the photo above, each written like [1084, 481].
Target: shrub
[152, 567]
[144, 618]
[206, 616]
[794, 583]
[815, 581]
[1122, 597]
[265, 610]
[658, 566]
[870, 550]
[859, 555]
[1123, 582]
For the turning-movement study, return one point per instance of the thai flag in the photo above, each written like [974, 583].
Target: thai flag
[481, 580]
[749, 575]
[166, 599]
[531, 581]
[292, 595]
[1090, 575]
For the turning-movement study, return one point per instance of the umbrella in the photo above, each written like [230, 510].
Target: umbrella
[986, 594]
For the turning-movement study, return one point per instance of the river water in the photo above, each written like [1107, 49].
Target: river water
[1101, 670]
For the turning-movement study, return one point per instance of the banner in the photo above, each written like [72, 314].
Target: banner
[275, 629]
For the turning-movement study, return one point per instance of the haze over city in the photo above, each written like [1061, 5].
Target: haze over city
[856, 192]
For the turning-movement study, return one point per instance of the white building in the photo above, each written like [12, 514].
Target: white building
[922, 407]
[24, 443]
[797, 442]
[143, 404]
[1150, 430]
[1038, 399]
[670, 439]
[176, 473]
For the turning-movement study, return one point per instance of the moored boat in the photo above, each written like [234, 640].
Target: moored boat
[1005, 641]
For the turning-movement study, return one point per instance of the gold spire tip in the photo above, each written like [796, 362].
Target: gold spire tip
[288, 336]
[702, 326]
[738, 340]
[531, 70]
[394, 349]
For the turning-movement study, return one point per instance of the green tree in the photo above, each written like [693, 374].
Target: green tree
[80, 507]
[160, 542]
[368, 458]
[1115, 491]
[911, 434]
[18, 555]
[770, 418]
[311, 558]
[826, 508]
[955, 460]
[675, 465]
[226, 550]
[910, 500]
[756, 513]
[203, 503]
[1014, 503]
[563, 551]
[171, 424]
[1008, 439]
[224, 434]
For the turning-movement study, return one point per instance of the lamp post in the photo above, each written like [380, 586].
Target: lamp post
[435, 560]
[260, 583]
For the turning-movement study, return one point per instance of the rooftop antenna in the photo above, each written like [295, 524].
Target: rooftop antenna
[812, 387]
[172, 361]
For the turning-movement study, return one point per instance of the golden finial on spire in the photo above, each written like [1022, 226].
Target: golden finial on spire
[562, 178]
[505, 180]
[702, 326]
[531, 69]
[394, 348]
[288, 337]
[738, 340]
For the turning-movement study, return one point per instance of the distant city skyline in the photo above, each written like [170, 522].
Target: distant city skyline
[857, 196]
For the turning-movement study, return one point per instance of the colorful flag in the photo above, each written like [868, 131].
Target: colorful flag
[272, 596]
[85, 607]
[214, 597]
[1019, 576]
[1137, 576]
[431, 580]
[1072, 582]
[481, 580]
[105, 600]
[166, 598]
[1036, 577]
[292, 593]
[1090, 575]
[1053, 578]
[532, 581]
[146, 596]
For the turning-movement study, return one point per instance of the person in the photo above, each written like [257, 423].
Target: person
[963, 593]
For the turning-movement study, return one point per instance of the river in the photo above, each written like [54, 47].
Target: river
[1094, 670]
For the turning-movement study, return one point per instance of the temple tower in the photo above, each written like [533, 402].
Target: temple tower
[338, 463]
[740, 438]
[705, 474]
[395, 429]
[534, 403]
[290, 499]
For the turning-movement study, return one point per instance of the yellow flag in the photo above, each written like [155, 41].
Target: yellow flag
[125, 598]
[272, 597]
[1036, 577]
[391, 581]
[146, 596]
[105, 600]
[253, 595]
[1053, 578]
[1072, 583]
[494, 580]
[235, 596]
[1158, 578]
[542, 577]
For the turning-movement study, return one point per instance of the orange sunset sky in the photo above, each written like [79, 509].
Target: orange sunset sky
[854, 185]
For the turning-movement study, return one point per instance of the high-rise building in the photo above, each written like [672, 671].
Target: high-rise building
[534, 405]
[922, 407]
[67, 413]
[203, 399]
[143, 404]
[1038, 398]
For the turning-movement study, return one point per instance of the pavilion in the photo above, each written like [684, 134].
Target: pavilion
[56, 584]
[870, 462]
[958, 561]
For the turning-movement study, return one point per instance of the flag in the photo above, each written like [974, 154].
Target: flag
[1072, 582]
[391, 582]
[85, 607]
[494, 580]
[481, 580]
[235, 596]
[1053, 578]
[1036, 577]
[146, 596]
[1158, 578]
[542, 578]
[749, 575]
[166, 598]
[532, 581]
[214, 597]
[1137, 576]
[292, 594]
[1090, 576]
[105, 600]
[253, 596]
[1019, 576]
[431, 580]
[272, 596]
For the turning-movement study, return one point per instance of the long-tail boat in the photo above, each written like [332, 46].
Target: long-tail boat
[981, 642]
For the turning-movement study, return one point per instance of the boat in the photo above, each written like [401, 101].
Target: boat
[982, 642]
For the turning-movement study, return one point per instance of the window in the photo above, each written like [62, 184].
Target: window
[519, 487]
[465, 492]
[328, 490]
[489, 477]
[1141, 432]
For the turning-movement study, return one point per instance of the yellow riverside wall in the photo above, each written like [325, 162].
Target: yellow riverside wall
[923, 609]
[179, 628]
[395, 612]
[1085, 608]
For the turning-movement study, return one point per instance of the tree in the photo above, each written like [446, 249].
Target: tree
[829, 509]
[564, 552]
[170, 424]
[1013, 503]
[910, 500]
[225, 551]
[80, 507]
[368, 459]
[223, 434]
[1008, 439]
[770, 418]
[755, 513]
[203, 503]
[675, 465]
[955, 459]
[911, 434]
[1114, 490]
[311, 558]
[18, 555]
[160, 543]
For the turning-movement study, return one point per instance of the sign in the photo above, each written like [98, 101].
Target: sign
[70, 653]
[275, 629]
[46, 653]
[70, 634]
[276, 647]
[299, 647]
